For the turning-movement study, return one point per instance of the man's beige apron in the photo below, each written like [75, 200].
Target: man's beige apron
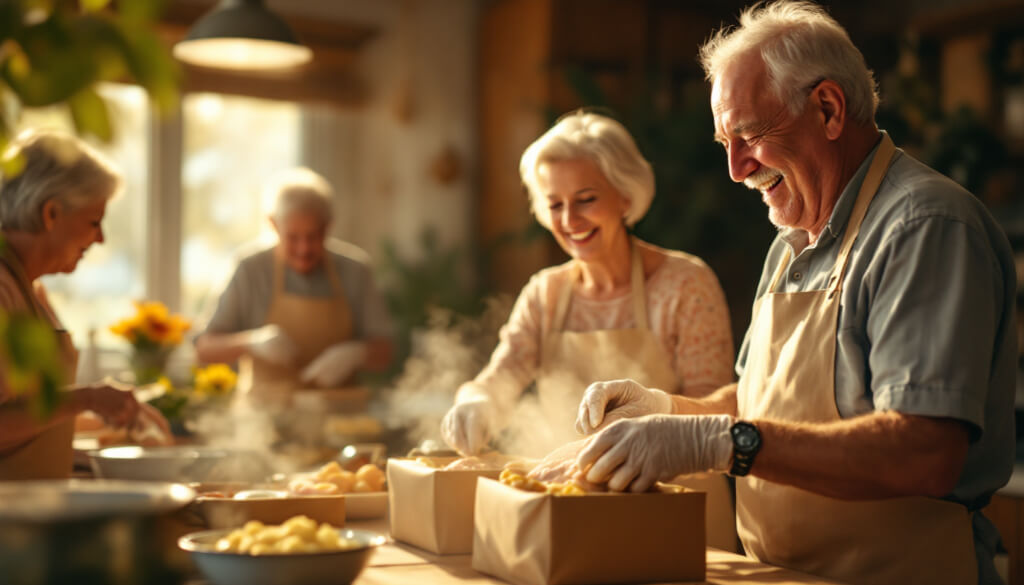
[790, 375]
[49, 455]
[313, 323]
[572, 360]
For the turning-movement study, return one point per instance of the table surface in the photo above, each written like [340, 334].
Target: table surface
[399, 564]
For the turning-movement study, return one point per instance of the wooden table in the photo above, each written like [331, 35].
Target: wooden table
[401, 564]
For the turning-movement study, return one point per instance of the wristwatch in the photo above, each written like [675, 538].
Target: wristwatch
[746, 442]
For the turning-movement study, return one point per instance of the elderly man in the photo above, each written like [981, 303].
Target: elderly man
[873, 418]
[308, 316]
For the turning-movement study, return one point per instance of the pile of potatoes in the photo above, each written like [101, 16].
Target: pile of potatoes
[298, 534]
[332, 479]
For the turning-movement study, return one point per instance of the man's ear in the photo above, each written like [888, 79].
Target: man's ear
[831, 102]
[50, 211]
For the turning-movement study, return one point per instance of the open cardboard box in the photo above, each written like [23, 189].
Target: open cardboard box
[532, 538]
[432, 508]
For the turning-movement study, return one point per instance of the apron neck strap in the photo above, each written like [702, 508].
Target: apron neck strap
[637, 290]
[876, 172]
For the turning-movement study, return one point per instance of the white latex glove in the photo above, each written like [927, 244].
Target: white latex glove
[634, 453]
[270, 344]
[606, 402]
[467, 427]
[335, 364]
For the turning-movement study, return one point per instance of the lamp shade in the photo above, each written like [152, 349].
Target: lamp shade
[243, 35]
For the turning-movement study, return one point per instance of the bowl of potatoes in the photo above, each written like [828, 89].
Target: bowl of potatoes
[299, 551]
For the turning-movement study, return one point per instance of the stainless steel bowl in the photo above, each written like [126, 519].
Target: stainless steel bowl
[90, 532]
[179, 463]
[226, 568]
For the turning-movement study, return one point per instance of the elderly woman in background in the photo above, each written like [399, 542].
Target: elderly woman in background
[620, 308]
[51, 211]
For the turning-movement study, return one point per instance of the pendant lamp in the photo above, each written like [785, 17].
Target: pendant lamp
[242, 35]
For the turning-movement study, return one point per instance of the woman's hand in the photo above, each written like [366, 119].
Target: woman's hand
[150, 427]
[114, 403]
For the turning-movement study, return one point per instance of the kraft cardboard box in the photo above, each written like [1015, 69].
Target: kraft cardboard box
[432, 508]
[530, 538]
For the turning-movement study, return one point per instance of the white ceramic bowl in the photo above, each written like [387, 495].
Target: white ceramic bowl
[334, 567]
[179, 464]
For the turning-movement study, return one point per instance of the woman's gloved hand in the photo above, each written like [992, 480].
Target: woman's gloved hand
[335, 364]
[467, 427]
[270, 344]
[634, 453]
[606, 402]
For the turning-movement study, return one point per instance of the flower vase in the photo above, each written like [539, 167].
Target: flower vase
[149, 364]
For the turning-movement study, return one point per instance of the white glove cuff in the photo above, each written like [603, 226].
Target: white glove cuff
[714, 431]
[663, 401]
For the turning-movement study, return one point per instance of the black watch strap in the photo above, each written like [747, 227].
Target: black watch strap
[746, 442]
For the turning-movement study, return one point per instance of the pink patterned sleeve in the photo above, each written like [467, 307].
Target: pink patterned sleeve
[516, 359]
[694, 314]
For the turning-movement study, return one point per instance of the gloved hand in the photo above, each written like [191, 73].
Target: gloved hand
[627, 399]
[270, 344]
[467, 427]
[634, 453]
[335, 364]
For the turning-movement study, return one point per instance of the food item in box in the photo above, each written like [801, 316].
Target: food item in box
[298, 534]
[332, 479]
[514, 479]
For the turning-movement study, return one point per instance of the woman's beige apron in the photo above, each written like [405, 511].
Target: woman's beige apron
[790, 375]
[312, 323]
[49, 454]
[572, 360]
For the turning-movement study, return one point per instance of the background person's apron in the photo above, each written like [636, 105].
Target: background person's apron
[790, 375]
[48, 455]
[572, 360]
[312, 323]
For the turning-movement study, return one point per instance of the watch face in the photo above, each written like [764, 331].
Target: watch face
[745, 437]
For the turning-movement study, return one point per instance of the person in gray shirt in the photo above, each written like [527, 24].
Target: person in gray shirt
[874, 414]
[306, 311]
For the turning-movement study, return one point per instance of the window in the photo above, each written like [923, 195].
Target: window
[192, 200]
[232, 147]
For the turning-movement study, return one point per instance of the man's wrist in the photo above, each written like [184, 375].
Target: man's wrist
[746, 443]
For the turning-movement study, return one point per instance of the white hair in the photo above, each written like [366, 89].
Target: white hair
[581, 135]
[800, 45]
[50, 165]
[301, 190]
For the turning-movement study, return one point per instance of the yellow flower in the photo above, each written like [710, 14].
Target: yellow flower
[151, 325]
[215, 379]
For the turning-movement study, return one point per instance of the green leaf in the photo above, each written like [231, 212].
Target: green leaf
[140, 12]
[89, 112]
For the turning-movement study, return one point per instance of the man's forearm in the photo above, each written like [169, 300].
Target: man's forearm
[880, 455]
[721, 401]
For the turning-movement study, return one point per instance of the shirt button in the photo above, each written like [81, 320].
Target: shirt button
[798, 275]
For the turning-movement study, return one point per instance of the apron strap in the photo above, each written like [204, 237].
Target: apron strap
[637, 290]
[876, 172]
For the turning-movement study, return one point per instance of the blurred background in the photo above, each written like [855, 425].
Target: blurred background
[417, 112]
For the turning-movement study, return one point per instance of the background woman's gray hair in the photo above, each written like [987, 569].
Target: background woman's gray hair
[301, 190]
[800, 45]
[581, 135]
[57, 166]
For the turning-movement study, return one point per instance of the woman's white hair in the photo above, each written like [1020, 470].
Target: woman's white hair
[301, 190]
[583, 135]
[800, 45]
[51, 165]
